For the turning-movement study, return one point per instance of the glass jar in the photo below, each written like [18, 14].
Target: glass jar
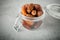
[29, 23]
[32, 23]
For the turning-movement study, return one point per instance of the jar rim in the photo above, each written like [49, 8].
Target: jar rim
[35, 18]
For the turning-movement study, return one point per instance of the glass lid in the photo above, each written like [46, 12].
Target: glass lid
[54, 10]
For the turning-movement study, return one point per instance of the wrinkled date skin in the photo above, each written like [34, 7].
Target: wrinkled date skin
[33, 10]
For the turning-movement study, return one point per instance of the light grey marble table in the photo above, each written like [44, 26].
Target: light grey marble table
[50, 30]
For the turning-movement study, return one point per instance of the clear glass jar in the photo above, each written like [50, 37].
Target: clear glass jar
[32, 23]
[28, 22]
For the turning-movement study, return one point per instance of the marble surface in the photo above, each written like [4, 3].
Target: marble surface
[50, 30]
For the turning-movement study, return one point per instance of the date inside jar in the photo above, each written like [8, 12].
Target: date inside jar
[31, 10]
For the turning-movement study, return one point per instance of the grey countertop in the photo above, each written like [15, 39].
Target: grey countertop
[50, 30]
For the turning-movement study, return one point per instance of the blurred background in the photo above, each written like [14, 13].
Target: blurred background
[8, 12]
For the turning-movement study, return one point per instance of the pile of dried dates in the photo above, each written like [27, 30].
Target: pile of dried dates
[31, 10]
